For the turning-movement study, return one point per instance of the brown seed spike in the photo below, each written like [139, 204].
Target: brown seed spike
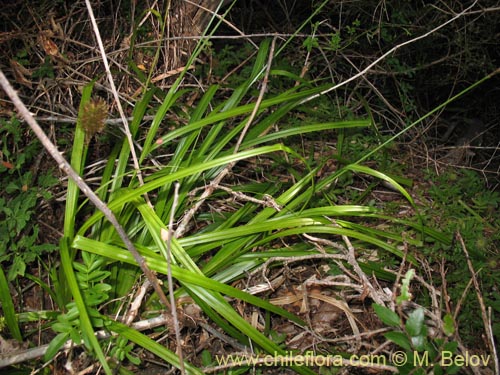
[94, 114]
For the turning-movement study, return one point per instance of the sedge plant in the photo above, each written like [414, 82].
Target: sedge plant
[204, 262]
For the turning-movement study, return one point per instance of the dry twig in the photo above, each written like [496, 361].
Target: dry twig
[378, 297]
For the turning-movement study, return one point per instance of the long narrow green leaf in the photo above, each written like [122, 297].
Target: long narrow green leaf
[231, 103]
[382, 176]
[9, 311]
[169, 101]
[85, 323]
[272, 117]
[245, 230]
[78, 156]
[307, 217]
[377, 232]
[288, 229]
[103, 190]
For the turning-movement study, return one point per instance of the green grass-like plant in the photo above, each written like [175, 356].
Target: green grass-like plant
[206, 260]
